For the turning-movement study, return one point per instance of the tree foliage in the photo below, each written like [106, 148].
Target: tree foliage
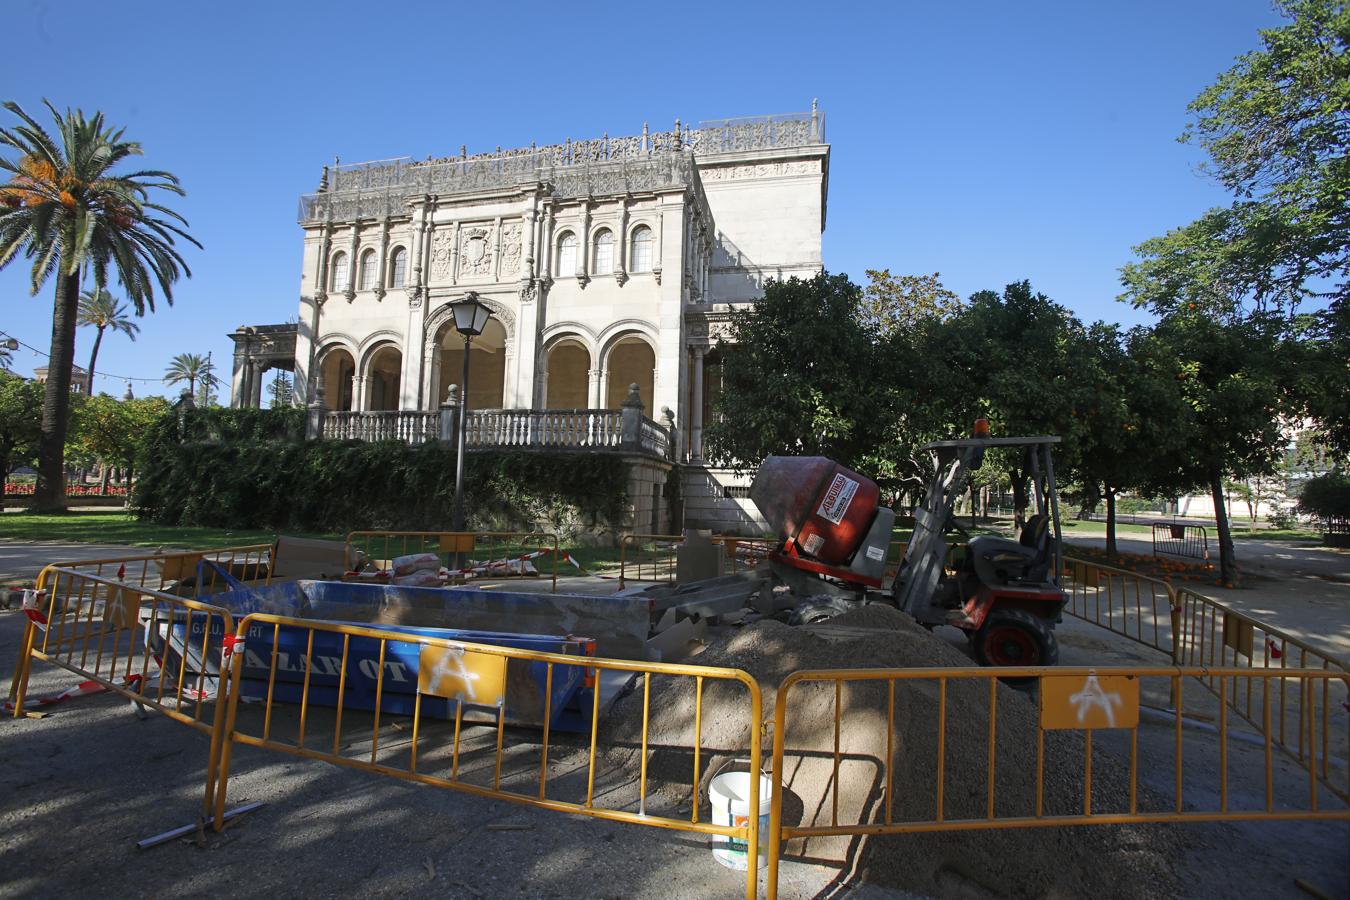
[114, 430]
[899, 304]
[20, 421]
[1326, 497]
[805, 377]
[194, 369]
[103, 311]
[67, 209]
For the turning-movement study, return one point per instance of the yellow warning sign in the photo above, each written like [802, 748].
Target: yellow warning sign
[123, 609]
[458, 674]
[176, 568]
[457, 543]
[1089, 701]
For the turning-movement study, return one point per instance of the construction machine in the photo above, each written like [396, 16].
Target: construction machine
[1004, 594]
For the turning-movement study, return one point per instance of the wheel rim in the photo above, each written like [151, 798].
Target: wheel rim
[1008, 645]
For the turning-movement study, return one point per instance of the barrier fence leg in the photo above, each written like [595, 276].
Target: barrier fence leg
[25, 647]
[18, 691]
[221, 775]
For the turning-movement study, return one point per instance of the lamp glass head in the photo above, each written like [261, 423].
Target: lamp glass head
[471, 316]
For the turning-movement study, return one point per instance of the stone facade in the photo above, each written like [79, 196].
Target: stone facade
[605, 262]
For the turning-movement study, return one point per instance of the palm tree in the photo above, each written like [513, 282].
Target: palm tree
[67, 210]
[102, 310]
[192, 368]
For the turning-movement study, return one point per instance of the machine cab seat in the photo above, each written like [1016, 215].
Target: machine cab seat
[1026, 560]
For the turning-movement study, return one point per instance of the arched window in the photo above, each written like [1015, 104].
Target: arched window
[604, 253]
[642, 250]
[341, 280]
[398, 267]
[367, 281]
[567, 255]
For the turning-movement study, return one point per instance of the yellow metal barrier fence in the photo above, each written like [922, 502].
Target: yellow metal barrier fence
[486, 767]
[495, 554]
[161, 571]
[652, 557]
[925, 785]
[156, 649]
[1135, 606]
[1214, 636]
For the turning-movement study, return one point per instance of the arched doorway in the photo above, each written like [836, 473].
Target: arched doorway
[631, 361]
[569, 366]
[487, 365]
[336, 371]
[383, 373]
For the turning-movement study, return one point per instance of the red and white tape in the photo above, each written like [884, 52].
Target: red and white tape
[82, 689]
[567, 557]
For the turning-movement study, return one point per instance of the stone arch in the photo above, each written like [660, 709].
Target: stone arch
[335, 364]
[443, 314]
[487, 363]
[381, 374]
[569, 360]
[628, 357]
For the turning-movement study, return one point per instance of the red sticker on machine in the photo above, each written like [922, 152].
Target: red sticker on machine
[837, 499]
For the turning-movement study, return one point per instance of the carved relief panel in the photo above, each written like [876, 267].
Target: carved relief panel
[511, 249]
[442, 253]
[475, 251]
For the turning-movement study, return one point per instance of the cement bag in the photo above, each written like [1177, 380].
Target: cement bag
[416, 562]
[423, 578]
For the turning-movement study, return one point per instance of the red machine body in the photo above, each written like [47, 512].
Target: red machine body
[822, 508]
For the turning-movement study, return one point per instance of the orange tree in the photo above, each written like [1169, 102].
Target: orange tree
[66, 208]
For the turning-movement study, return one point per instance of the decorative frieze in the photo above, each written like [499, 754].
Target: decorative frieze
[760, 170]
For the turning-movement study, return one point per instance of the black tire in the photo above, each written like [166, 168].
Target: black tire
[812, 611]
[1015, 637]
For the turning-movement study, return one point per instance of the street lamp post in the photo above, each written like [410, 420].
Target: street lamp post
[471, 317]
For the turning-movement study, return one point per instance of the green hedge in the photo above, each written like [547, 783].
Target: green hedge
[221, 424]
[339, 486]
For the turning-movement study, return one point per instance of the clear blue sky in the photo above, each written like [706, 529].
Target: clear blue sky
[990, 141]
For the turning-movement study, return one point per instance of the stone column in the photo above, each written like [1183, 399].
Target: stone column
[410, 379]
[256, 383]
[353, 264]
[454, 256]
[696, 412]
[381, 264]
[583, 272]
[239, 377]
[595, 400]
[358, 392]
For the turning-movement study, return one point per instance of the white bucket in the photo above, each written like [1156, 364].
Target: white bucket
[729, 794]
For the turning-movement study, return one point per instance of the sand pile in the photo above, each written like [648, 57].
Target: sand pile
[1101, 861]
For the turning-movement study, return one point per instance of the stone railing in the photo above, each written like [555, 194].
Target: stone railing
[615, 430]
[600, 178]
[545, 428]
[409, 426]
[602, 165]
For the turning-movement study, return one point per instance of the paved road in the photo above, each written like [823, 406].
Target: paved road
[24, 559]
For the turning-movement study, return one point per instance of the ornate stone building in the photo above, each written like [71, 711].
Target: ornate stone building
[606, 262]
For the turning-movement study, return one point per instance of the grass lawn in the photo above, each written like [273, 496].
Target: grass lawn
[116, 526]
